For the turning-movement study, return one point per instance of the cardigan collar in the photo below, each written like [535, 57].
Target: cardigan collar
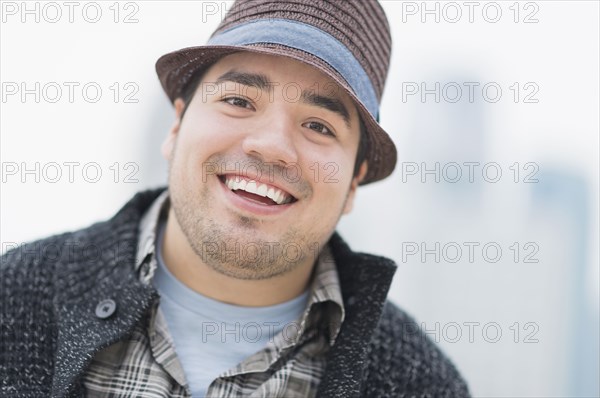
[97, 265]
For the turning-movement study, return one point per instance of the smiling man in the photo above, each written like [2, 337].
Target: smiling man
[233, 282]
[247, 214]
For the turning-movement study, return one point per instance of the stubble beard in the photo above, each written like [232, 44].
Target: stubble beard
[235, 249]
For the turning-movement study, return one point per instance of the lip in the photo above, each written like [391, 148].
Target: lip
[247, 206]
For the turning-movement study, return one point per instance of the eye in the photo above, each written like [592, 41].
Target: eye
[238, 102]
[320, 128]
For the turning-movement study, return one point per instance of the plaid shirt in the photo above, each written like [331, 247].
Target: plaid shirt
[147, 365]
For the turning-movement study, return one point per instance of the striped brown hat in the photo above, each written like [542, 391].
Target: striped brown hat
[348, 40]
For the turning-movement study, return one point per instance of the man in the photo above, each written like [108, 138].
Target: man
[233, 281]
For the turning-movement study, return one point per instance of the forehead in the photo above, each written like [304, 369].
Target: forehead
[280, 71]
[275, 64]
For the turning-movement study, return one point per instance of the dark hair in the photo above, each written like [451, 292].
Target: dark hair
[187, 93]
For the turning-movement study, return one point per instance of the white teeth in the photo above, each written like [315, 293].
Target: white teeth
[277, 195]
[251, 187]
[274, 194]
[280, 196]
[262, 190]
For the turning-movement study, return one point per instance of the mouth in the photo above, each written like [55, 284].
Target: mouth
[256, 192]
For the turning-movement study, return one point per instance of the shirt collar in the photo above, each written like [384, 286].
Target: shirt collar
[325, 286]
[148, 230]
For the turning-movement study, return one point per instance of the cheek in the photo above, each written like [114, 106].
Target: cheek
[330, 170]
[196, 143]
[330, 183]
[205, 128]
[204, 135]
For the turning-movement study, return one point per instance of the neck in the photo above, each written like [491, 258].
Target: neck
[188, 267]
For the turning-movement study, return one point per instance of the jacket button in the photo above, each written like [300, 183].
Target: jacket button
[106, 308]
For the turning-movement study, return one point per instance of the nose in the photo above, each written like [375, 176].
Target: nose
[273, 140]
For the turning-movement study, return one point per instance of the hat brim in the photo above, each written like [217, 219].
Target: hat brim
[176, 69]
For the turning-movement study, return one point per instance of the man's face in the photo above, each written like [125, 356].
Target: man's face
[260, 166]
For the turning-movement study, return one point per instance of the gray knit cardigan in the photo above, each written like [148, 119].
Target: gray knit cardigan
[49, 290]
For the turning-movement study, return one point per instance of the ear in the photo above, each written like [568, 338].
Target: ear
[362, 172]
[169, 142]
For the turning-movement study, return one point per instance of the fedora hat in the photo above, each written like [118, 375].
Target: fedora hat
[347, 40]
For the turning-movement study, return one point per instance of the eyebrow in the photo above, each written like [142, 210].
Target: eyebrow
[330, 103]
[257, 80]
[261, 82]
